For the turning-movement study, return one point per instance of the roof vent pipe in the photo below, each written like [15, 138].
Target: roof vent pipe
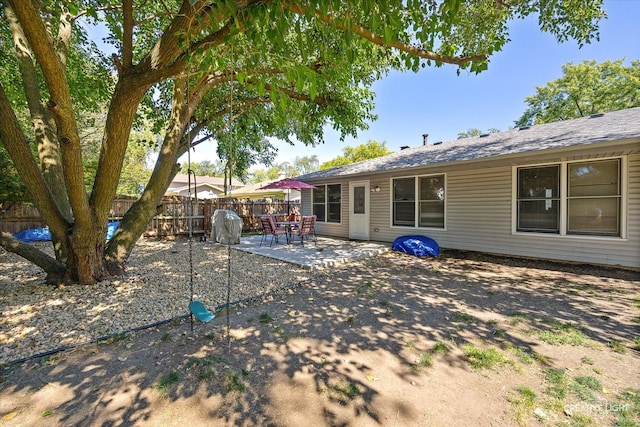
[424, 138]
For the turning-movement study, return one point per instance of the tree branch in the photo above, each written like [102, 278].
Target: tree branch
[55, 270]
[63, 39]
[60, 106]
[214, 39]
[18, 148]
[42, 122]
[320, 100]
[242, 108]
[375, 39]
[127, 33]
[46, 55]
[577, 104]
[138, 216]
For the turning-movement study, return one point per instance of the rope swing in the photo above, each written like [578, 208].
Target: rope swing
[230, 127]
[197, 308]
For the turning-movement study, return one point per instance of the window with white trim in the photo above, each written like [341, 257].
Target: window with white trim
[591, 200]
[404, 202]
[594, 197]
[539, 199]
[327, 200]
[426, 209]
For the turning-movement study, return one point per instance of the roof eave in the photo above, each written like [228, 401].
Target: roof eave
[622, 147]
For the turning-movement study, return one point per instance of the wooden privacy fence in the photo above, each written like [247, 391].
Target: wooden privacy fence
[173, 217]
[19, 216]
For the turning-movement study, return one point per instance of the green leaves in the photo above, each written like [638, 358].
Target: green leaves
[584, 89]
[11, 187]
[571, 19]
[369, 150]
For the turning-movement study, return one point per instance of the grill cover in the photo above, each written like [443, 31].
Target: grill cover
[226, 227]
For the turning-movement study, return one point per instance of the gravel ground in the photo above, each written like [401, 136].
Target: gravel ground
[36, 318]
[464, 339]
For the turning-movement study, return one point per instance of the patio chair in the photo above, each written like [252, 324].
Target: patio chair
[306, 229]
[275, 221]
[269, 229]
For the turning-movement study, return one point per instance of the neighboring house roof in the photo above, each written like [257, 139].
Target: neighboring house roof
[253, 191]
[184, 190]
[598, 128]
[180, 180]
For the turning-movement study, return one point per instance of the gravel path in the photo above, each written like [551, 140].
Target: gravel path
[36, 318]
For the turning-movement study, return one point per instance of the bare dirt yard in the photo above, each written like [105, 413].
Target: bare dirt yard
[463, 340]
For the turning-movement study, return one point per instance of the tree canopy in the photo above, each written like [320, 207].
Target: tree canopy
[584, 89]
[475, 132]
[299, 166]
[369, 150]
[236, 72]
[11, 188]
[204, 168]
[305, 164]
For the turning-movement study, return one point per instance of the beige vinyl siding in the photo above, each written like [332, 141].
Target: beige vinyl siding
[328, 228]
[380, 209]
[306, 205]
[478, 217]
[590, 249]
[470, 198]
[631, 251]
[478, 212]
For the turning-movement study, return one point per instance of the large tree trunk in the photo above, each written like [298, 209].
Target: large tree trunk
[43, 125]
[135, 221]
[85, 263]
[81, 231]
[138, 216]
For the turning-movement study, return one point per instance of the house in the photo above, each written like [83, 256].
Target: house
[254, 192]
[205, 187]
[566, 191]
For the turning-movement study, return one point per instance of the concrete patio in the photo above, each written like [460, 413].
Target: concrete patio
[325, 252]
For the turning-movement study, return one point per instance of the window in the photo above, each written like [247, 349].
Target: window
[404, 201]
[319, 202]
[432, 201]
[539, 199]
[429, 205]
[591, 203]
[327, 201]
[593, 199]
[359, 199]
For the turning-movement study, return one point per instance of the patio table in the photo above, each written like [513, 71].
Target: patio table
[289, 225]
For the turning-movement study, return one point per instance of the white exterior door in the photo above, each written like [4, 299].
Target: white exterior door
[359, 210]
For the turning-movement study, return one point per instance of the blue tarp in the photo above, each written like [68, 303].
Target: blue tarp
[43, 235]
[416, 245]
[33, 235]
[111, 228]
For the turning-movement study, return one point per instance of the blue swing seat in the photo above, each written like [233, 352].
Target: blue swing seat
[200, 311]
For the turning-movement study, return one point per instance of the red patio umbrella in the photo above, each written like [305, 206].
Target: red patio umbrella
[287, 184]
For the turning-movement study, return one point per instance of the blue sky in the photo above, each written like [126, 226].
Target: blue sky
[439, 102]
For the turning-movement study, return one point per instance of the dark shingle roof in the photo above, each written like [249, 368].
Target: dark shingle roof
[612, 126]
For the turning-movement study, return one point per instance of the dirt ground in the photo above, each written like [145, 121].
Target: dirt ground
[462, 339]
